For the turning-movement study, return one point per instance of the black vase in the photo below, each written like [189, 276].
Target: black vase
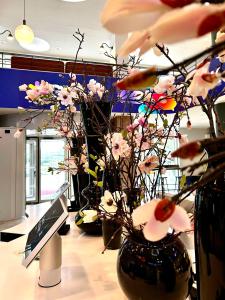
[210, 227]
[154, 271]
[111, 232]
[96, 116]
[92, 193]
[210, 242]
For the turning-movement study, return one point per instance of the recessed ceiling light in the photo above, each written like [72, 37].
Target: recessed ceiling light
[38, 45]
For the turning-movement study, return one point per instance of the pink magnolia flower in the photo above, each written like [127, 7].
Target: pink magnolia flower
[123, 16]
[138, 39]
[33, 95]
[64, 130]
[65, 97]
[202, 82]
[45, 87]
[159, 215]
[201, 19]
[142, 141]
[165, 84]
[148, 164]
[96, 88]
[119, 146]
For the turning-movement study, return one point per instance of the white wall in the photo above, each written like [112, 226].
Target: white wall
[194, 134]
[12, 175]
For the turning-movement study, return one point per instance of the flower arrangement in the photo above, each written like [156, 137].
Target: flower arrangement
[136, 156]
[154, 24]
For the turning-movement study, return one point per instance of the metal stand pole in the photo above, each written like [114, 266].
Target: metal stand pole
[50, 262]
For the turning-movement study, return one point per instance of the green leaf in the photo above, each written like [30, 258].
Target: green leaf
[81, 214]
[79, 222]
[96, 169]
[92, 173]
[100, 184]
[124, 133]
[94, 218]
[182, 181]
[93, 156]
[165, 123]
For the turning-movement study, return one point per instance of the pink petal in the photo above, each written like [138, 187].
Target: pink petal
[147, 45]
[136, 39]
[144, 212]
[123, 16]
[180, 220]
[181, 24]
[155, 230]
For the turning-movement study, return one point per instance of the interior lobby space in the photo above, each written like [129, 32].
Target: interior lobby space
[112, 160]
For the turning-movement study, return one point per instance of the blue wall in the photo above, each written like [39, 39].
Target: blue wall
[11, 79]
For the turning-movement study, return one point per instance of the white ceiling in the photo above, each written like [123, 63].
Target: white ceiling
[56, 21]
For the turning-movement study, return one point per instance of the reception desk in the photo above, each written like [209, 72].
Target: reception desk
[86, 273]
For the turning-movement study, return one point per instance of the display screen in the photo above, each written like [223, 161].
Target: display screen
[43, 226]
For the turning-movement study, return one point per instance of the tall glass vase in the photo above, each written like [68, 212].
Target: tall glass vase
[96, 117]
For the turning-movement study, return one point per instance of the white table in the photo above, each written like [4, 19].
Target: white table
[86, 273]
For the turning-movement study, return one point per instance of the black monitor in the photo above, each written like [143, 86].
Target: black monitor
[46, 227]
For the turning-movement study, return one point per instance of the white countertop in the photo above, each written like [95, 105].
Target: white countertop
[86, 273]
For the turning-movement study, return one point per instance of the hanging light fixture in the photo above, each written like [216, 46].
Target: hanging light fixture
[23, 33]
[10, 36]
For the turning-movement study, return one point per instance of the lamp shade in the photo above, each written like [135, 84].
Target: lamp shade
[24, 34]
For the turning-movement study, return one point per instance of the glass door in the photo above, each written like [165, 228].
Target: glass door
[32, 170]
[51, 152]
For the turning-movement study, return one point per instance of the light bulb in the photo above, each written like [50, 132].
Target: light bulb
[24, 34]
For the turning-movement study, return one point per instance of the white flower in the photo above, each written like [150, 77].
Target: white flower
[89, 215]
[109, 201]
[23, 87]
[158, 216]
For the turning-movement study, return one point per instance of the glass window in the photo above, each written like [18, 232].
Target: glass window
[52, 152]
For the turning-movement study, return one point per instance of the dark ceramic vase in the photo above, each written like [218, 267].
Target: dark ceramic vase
[95, 116]
[154, 271]
[210, 227]
[92, 193]
[210, 242]
[111, 232]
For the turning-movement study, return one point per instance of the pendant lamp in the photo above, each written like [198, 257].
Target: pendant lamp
[23, 33]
